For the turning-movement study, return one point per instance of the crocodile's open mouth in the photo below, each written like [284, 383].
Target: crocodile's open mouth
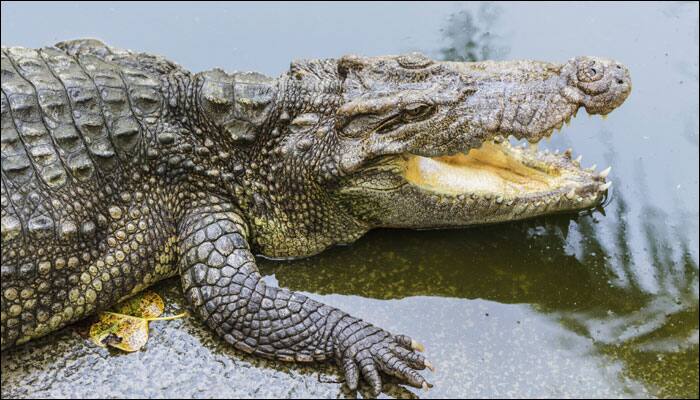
[492, 183]
[489, 169]
[510, 174]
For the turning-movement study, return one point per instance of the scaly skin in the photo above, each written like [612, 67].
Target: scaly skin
[120, 169]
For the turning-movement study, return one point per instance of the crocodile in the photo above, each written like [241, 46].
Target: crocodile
[121, 168]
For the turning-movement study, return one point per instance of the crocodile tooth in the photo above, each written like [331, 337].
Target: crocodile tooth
[605, 186]
[499, 199]
[578, 159]
[592, 168]
[568, 120]
[604, 173]
[556, 152]
[560, 124]
[604, 116]
[579, 199]
[575, 112]
[570, 194]
[520, 208]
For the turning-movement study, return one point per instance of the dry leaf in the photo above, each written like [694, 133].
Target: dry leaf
[127, 327]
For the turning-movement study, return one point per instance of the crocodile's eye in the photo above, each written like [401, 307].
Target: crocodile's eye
[591, 72]
[417, 111]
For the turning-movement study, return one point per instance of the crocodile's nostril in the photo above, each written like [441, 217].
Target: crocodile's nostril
[620, 82]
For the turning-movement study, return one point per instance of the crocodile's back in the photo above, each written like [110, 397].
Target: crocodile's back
[70, 118]
[75, 127]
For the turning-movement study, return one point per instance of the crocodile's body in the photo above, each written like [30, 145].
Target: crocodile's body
[120, 169]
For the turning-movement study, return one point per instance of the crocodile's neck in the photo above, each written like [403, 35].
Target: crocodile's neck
[291, 217]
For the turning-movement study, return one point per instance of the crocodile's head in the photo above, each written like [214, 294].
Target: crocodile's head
[346, 145]
[425, 144]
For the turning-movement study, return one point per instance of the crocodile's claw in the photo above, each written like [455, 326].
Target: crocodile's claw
[370, 350]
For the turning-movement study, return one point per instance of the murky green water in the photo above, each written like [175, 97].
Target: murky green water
[602, 304]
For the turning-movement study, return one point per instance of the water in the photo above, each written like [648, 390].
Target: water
[602, 304]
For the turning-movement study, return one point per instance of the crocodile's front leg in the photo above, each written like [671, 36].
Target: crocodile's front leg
[221, 280]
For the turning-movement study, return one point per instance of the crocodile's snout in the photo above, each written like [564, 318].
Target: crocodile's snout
[598, 84]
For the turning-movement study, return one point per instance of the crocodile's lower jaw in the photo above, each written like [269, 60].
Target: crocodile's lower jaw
[510, 176]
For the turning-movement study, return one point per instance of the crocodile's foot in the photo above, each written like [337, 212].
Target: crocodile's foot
[365, 350]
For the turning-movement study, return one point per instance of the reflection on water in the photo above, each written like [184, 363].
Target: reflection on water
[470, 37]
[559, 265]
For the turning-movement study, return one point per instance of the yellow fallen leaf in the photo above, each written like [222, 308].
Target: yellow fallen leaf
[146, 305]
[129, 332]
[121, 331]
